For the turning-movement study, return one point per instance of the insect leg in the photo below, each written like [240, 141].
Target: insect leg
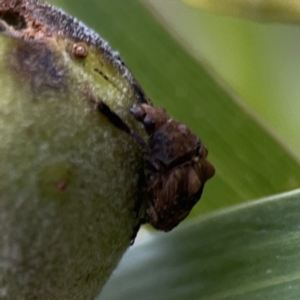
[119, 123]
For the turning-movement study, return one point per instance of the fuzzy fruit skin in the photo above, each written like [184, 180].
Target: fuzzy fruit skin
[68, 178]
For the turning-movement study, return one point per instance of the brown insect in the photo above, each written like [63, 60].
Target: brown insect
[175, 164]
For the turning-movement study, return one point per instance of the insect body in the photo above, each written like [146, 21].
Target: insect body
[175, 164]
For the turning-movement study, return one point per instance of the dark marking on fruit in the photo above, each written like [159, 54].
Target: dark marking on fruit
[61, 185]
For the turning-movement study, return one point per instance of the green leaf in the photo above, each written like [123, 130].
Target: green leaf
[251, 251]
[267, 10]
[251, 57]
[249, 161]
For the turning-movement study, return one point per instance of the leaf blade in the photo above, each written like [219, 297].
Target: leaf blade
[247, 252]
[268, 10]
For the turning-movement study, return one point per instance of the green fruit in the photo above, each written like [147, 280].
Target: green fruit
[68, 177]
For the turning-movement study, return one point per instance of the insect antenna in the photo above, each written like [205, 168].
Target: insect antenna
[119, 123]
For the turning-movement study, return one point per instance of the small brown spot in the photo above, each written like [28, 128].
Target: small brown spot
[80, 50]
[61, 185]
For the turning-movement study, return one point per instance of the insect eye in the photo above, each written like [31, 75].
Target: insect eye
[149, 123]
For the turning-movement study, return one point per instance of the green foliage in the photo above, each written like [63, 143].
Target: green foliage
[247, 252]
[267, 10]
[256, 59]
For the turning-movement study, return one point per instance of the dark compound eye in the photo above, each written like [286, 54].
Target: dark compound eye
[149, 123]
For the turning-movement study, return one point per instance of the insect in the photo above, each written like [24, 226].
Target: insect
[175, 164]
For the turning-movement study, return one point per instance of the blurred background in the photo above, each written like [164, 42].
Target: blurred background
[259, 61]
